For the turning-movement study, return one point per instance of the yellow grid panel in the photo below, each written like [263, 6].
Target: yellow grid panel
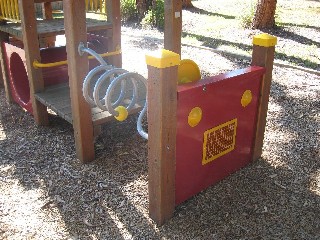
[219, 141]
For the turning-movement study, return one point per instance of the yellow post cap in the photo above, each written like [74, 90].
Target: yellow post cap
[123, 113]
[264, 40]
[163, 59]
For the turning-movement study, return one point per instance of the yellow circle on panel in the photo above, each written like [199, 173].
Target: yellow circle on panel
[188, 71]
[246, 98]
[195, 116]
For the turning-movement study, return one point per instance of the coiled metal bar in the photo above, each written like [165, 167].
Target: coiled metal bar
[108, 81]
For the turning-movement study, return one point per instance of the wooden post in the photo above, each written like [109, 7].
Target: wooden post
[114, 41]
[4, 37]
[173, 25]
[47, 14]
[75, 29]
[162, 105]
[31, 47]
[263, 56]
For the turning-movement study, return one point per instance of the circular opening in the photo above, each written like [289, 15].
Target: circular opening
[19, 78]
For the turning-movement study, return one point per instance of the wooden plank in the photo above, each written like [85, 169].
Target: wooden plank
[162, 105]
[57, 98]
[100, 117]
[173, 25]
[114, 42]
[31, 46]
[54, 27]
[74, 15]
[263, 57]
[4, 37]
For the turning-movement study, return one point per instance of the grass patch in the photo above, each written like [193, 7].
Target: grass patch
[220, 25]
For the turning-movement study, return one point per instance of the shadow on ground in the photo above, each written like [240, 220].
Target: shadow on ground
[108, 198]
[214, 43]
[207, 13]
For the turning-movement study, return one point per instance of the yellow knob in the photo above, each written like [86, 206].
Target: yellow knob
[246, 98]
[195, 116]
[123, 113]
[188, 71]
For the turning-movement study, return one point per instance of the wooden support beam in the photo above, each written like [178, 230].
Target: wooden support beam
[4, 37]
[263, 56]
[47, 14]
[173, 25]
[114, 42]
[75, 29]
[47, 10]
[162, 107]
[43, 1]
[31, 47]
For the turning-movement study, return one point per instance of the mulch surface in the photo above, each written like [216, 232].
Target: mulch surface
[46, 193]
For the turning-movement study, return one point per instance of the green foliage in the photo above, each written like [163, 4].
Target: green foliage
[155, 15]
[128, 10]
[246, 17]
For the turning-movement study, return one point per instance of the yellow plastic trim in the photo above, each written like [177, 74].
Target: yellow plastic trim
[188, 71]
[264, 40]
[195, 116]
[123, 113]
[37, 64]
[246, 98]
[9, 10]
[163, 59]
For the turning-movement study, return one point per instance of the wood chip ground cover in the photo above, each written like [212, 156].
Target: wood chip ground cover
[45, 193]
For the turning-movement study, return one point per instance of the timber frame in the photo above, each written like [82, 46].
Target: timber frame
[161, 145]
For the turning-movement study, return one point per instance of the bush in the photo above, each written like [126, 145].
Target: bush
[155, 15]
[246, 17]
[128, 10]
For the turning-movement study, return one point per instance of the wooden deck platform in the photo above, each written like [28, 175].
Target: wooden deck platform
[54, 27]
[57, 98]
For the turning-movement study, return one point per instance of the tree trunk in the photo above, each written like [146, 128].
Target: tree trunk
[264, 15]
[143, 6]
[186, 3]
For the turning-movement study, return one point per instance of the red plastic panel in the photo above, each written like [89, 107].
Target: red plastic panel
[17, 73]
[222, 141]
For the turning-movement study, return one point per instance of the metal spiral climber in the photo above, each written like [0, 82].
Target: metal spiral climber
[113, 89]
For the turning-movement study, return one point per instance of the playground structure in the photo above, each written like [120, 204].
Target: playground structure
[192, 143]
[28, 38]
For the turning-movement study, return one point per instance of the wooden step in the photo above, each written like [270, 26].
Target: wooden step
[57, 98]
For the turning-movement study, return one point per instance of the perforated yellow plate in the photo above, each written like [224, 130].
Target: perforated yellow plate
[188, 71]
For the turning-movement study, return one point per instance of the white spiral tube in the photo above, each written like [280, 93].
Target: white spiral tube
[107, 75]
